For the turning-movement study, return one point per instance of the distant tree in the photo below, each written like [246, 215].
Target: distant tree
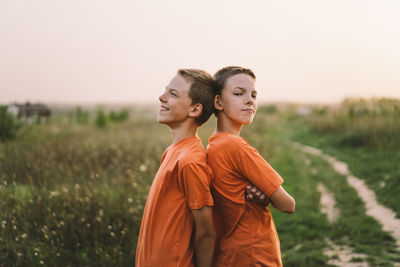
[9, 124]
[81, 116]
[123, 115]
[101, 119]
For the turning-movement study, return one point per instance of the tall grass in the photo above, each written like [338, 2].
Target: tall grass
[365, 133]
[360, 122]
[74, 195]
[9, 125]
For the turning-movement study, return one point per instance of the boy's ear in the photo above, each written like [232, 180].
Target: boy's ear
[196, 110]
[217, 102]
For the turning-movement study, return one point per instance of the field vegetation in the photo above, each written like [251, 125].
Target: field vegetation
[73, 192]
[365, 133]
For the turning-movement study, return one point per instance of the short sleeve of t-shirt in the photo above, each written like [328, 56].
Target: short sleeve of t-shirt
[253, 167]
[194, 181]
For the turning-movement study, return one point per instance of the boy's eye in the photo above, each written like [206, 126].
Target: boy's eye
[238, 94]
[254, 96]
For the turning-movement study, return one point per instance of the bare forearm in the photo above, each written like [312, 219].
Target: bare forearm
[282, 201]
[204, 247]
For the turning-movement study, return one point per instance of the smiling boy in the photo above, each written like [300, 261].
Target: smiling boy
[177, 226]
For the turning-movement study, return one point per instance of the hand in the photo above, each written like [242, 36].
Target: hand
[254, 194]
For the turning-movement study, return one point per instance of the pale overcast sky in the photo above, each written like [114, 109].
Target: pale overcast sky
[90, 51]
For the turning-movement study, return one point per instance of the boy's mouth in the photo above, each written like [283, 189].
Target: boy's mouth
[162, 108]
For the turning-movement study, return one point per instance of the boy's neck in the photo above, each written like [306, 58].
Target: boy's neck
[183, 131]
[227, 125]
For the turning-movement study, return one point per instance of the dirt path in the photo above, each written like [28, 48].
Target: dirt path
[382, 214]
[328, 203]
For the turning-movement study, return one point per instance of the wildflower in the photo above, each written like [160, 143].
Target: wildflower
[143, 168]
[130, 200]
[54, 193]
[41, 262]
[112, 234]
[24, 235]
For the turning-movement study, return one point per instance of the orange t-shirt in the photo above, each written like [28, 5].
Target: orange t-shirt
[181, 184]
[249, 236]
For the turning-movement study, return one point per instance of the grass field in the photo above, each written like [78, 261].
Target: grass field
[73, 194]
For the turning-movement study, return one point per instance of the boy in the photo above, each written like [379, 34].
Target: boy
[177, 226]
[249, 237]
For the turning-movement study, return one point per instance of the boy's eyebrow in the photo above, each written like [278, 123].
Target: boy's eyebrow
[244, 89]
[170, 89]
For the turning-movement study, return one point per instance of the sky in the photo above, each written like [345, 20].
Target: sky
[102, 51]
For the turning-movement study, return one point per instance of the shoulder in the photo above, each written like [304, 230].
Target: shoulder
[226, 143]
[193, 153]
[226, 140]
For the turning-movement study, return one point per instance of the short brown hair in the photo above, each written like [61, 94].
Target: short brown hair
[221, 76]
[224, 74]
[202, 91]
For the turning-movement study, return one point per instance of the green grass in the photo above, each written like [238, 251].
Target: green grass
[73, 194]
[377, 165]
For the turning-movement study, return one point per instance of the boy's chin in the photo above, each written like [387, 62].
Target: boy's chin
[246, 122]
[161, 120]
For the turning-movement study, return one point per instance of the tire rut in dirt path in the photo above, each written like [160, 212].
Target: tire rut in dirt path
[327, 203]
[382, 214]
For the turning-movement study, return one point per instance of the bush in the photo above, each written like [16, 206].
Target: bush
[9, 125]
[101, 119]
[123, 115]
[354, 139]
[82, 117]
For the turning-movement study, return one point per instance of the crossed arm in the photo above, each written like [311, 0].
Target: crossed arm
[280, 199]
[204, 239]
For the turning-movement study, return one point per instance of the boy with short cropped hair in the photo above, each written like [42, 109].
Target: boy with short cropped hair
[177, 226]
[249, 236]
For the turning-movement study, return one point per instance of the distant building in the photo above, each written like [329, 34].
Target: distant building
[29, 112]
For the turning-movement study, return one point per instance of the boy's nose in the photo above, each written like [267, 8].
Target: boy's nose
[162, 98]
[250, 100]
